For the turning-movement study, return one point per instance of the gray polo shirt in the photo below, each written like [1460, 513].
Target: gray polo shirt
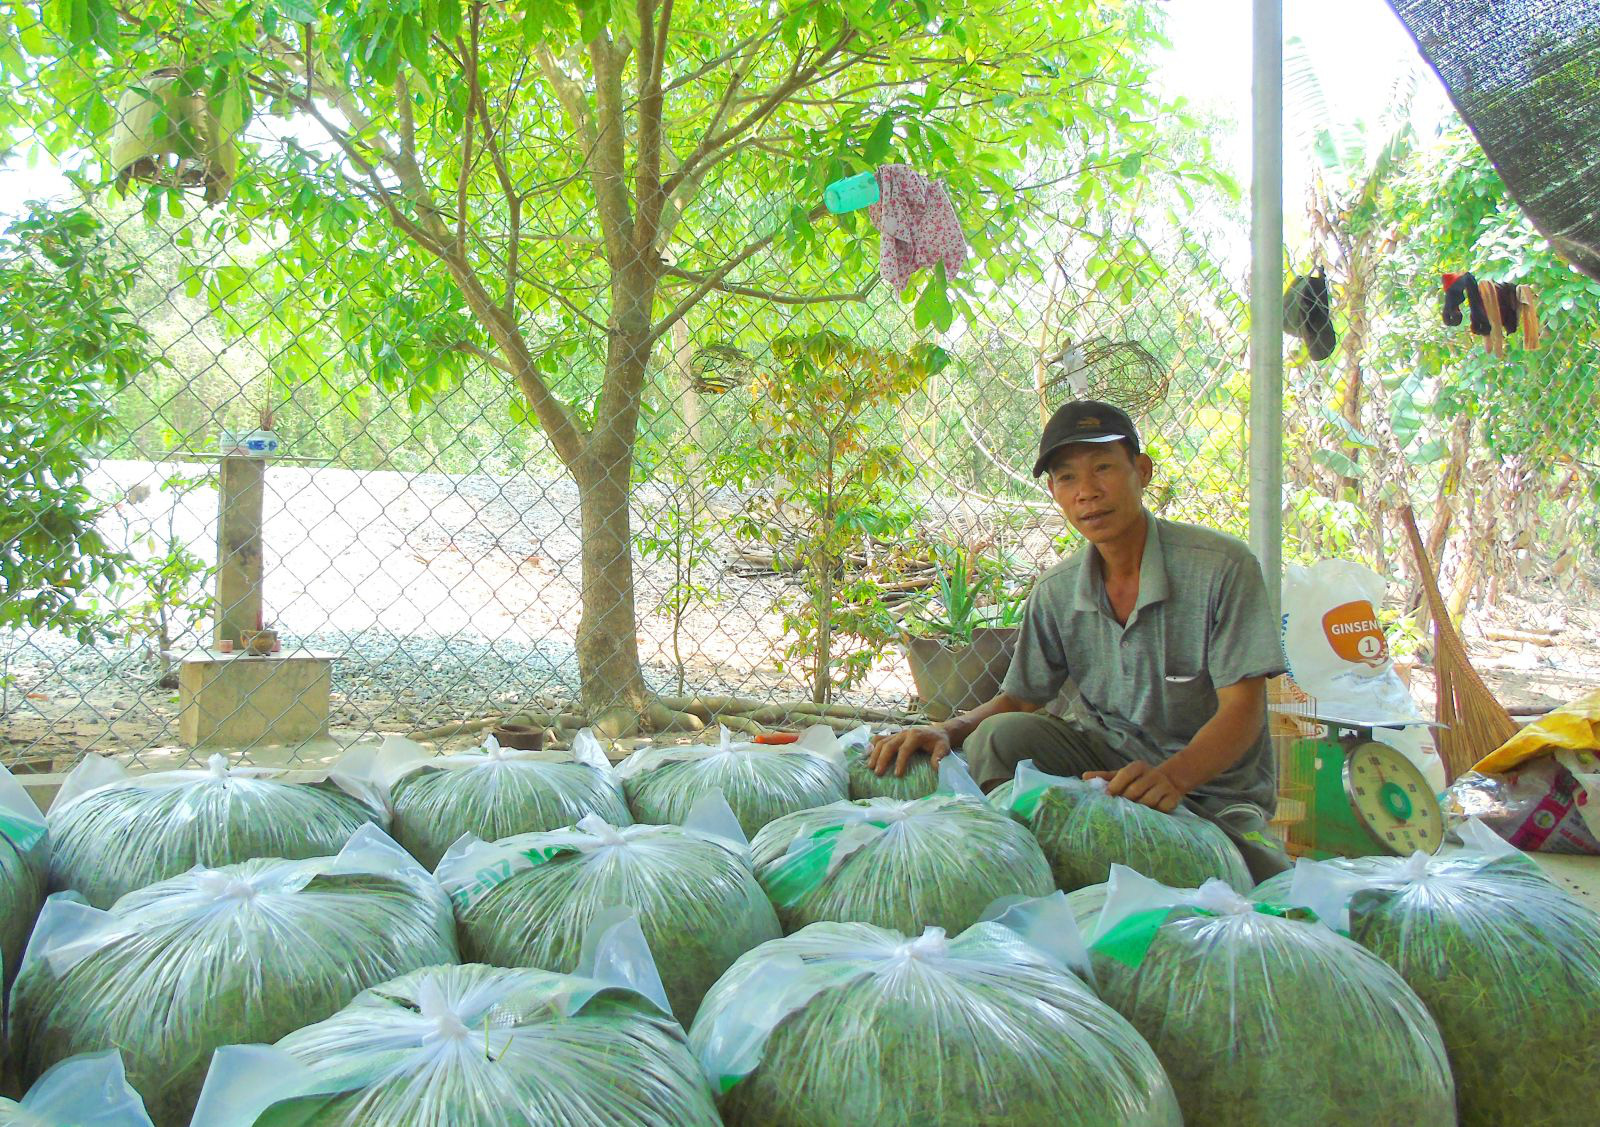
[1201, 623]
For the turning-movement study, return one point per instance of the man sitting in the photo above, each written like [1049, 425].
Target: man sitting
[1163, 630]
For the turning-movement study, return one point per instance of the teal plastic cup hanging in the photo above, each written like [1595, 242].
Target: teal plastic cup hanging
[852, 193]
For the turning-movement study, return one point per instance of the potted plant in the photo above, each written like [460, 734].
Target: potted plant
[959, 644]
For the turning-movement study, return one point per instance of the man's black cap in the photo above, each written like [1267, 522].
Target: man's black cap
[1087, 420]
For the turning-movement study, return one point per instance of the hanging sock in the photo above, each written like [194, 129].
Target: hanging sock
[1510, 310]
[1456, 287]
[1528, 306]
[1307, 313]
[1495, 343]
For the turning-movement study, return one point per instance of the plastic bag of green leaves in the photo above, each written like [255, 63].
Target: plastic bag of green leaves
[903, 864]
[1507, 963]
[86, 1091]
[1263, 1020]
[528, 900]
[24, 863]
[840, 1025]
[218, 956]
[493, 793]
[1084, 831]
[479, 1046]
[112, 832]
[759, 781]
[919, 781]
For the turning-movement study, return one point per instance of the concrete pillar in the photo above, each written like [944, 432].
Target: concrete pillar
[243, 491]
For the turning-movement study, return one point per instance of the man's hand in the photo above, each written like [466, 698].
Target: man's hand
[1142, 783]
[896, 749]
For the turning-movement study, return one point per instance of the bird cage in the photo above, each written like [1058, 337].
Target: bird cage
[1291, 713]
[719, 368]
[1123, 373]
[163, 135]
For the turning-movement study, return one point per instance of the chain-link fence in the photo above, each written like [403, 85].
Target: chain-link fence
[587, 410]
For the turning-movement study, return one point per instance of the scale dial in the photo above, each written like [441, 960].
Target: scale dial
[1391, 798]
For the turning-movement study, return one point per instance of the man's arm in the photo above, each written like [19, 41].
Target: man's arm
[1220, 743]
[938, 740]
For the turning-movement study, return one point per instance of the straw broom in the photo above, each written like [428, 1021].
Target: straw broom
[1474, 722]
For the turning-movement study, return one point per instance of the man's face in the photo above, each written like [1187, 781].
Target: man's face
[1099, 488]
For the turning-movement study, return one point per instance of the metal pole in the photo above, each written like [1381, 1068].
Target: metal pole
[1266, 296]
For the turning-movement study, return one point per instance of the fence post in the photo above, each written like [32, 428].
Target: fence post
[1266, 301]
[239, 507]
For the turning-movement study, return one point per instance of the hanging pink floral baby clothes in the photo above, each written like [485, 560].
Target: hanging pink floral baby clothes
[918, 224]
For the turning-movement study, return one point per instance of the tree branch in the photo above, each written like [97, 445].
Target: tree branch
[470, 58]
[723, 286]
[647, 189]
[711, 148]
[608, 160]
[713, 278]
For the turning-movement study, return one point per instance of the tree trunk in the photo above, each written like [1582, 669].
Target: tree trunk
[822, 679]
[608, 649]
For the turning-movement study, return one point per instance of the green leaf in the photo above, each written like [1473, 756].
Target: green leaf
[878, 144]
[1434, 450]
[1337, 461]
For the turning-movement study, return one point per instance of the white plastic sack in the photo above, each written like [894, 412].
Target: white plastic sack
[86, 1091]
[492, 793]
[528, 900]
[24, 862]
[1084, 831]
[920, 780]
[479, 1046]
[841, 1025]
[759, 781]
[1335, 648]
[1262, 1020]
[906, 864]
[247, 952]
[112, 832]
[1507, 963]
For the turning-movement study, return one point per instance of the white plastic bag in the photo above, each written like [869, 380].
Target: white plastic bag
[840, 1025]
[24, 862]
[759, 781]
[1263, 1020]
[905, 864]
[529, 899]
[113, 831]
[1083, 831]
[84, 1091]
[1334, 645]
[492, 793]
[1506, 961]
[480, 1046]
[217, 956]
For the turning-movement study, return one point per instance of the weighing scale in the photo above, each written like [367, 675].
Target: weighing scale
[1356, 796]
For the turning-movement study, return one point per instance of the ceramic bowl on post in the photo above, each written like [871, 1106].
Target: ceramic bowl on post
[258, 643]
